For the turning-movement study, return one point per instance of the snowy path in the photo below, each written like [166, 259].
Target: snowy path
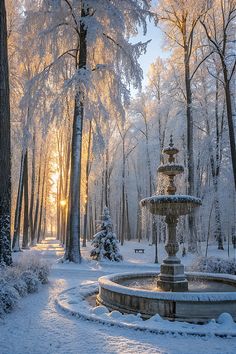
[39, 327]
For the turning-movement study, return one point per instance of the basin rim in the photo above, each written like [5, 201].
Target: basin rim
[108, 282]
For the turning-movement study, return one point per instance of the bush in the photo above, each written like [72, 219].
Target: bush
[22, 278]
[21, 286]
[31, 281]
[39, 267]
[9, 298]
[214, 265]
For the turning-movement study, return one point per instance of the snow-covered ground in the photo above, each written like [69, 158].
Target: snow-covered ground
[39, 326]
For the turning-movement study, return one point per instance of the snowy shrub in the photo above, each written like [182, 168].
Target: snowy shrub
[39, 267]
[105, 242]
[9, 297]
[21, 286]
[12, 277]
[31, 281]
[2, 312]
[22, 278]
[214, 265]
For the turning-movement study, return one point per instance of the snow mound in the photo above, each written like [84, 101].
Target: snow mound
[223, 327]
[225, 319]
[99, 310]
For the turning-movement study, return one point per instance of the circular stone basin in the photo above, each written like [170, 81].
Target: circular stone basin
[209, 295]
[171, 204]
[170, 169]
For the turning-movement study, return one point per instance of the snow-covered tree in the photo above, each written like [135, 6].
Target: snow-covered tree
[77, 33]
[105, 242]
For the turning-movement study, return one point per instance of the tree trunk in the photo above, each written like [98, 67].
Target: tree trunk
[192, 245]
[39, 236]
[127, 218]
[230, 124]
[73, 253]
[87, 185]
[122, 233]
[16, 235]
[36, 213]
[107, 179]
[31, 223]
[25, 241]
[5, 145]
[75, 179]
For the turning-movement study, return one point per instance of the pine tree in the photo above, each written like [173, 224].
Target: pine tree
[105, 242]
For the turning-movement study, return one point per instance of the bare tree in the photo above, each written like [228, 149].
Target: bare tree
[219, 26]
[182, 18]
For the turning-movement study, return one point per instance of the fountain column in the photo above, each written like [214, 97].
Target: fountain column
[172, 277]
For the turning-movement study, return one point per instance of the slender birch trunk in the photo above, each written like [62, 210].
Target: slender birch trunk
[39, 236]
[87, 185]
[25, 241]
[31, 223]
[16, 235]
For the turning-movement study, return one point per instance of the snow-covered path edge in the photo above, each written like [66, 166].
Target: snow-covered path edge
[73, 302]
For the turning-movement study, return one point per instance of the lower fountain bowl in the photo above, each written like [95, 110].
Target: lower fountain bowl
[175, 205]
[212, 295]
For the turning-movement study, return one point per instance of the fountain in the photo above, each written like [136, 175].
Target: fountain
[172, 277]
[192, 297]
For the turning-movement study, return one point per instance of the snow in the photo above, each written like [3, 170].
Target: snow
[38, 326]
[177, 198]
[73, 302]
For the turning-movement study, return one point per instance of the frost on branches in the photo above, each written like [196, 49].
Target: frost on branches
[105, 242]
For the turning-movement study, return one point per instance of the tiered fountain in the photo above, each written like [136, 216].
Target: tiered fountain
[193, 297]
[172, 277]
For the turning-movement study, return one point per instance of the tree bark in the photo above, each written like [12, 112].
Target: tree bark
[230, 123]
[87, 185]
[39, 236]
[25, 241]
[36, 212]
[31, 222]
[16, 235]
[73, 254]
[192, 245]
[5, 145]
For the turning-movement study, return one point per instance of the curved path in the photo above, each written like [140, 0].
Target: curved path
[39, 327]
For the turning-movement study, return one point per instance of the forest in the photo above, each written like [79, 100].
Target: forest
[117, 176]
[85, 134]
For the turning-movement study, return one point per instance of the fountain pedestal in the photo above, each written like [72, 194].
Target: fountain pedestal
[172, 277]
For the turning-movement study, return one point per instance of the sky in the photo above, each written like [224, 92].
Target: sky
[154, 48]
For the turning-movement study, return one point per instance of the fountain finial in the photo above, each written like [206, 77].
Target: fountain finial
[171, 144]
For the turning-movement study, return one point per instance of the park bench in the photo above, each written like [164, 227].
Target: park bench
[139, 250]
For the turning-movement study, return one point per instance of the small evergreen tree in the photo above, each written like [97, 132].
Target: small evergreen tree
[105, 242]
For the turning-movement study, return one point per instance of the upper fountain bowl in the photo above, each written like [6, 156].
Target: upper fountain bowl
[171, 169]
[171, 204]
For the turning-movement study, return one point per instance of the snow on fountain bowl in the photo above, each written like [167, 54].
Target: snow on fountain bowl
[171, 204]
[174, 295]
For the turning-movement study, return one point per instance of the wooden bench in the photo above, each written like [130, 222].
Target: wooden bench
[139, 250]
